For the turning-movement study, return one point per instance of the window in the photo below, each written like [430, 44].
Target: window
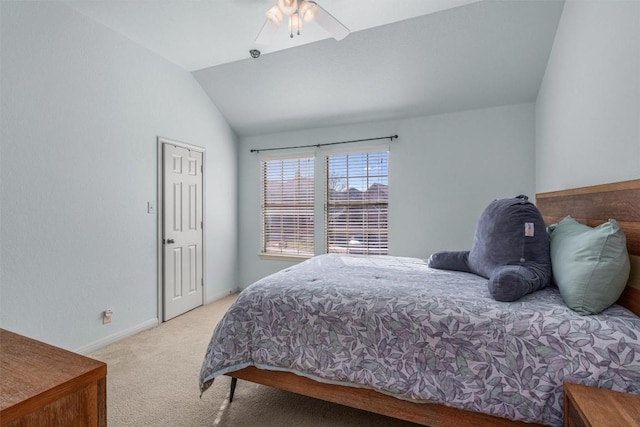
[357, 198]
[287, 207]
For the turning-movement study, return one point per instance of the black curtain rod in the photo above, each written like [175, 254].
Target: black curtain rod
[391, 138]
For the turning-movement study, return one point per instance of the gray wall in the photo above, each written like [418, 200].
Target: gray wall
[588, 106]
[81, 108]
[443, 171]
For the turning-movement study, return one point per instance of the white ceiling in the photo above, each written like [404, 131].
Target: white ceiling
[196, 34]
[403, 58]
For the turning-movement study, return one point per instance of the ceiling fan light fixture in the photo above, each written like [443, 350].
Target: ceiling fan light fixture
[299, 11]
[288, 7]
[274, 15]
[307, 10]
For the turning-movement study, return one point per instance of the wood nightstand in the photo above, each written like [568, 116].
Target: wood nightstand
[43, 385]
[595, 407]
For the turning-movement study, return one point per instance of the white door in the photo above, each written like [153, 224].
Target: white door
[182, 230]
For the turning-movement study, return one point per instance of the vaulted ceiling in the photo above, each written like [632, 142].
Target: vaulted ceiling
[402, 59]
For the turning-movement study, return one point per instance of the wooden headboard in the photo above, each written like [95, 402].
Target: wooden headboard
[595, 205]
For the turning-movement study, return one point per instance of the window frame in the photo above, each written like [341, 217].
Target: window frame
[320, 227]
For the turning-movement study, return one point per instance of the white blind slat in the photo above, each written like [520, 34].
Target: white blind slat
[357, 198]
[287, 207]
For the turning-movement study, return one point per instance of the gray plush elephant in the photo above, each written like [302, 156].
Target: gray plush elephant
[510, 248]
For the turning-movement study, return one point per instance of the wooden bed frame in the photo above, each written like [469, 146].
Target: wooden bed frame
[590, 205]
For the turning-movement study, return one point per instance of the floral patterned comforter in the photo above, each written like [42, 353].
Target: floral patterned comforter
[392, 324]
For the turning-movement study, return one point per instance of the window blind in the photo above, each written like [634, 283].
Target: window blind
[357, 201]
[287, 207]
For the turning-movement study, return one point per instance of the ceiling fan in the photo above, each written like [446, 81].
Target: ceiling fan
[299, 12]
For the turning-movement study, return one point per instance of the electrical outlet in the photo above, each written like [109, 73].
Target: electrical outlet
[106, 316]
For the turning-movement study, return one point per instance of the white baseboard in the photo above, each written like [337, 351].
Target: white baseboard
[151, 323]
[220, 295]
[103, 342]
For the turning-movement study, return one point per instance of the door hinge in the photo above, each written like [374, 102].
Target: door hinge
[202, 281]
[201, 225]
[201, 168]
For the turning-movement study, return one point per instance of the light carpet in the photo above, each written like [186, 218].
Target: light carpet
[152, 380]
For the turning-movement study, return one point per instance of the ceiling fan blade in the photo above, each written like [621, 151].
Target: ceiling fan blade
[327, 21]
[267, 32]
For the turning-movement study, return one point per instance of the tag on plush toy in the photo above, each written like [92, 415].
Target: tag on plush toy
[528, 229]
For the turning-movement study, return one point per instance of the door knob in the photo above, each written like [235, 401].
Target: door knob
[170, 241]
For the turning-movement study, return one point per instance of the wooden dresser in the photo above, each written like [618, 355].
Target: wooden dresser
[42, 385]
[595, 407]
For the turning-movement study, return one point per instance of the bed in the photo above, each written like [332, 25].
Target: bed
[495, 374]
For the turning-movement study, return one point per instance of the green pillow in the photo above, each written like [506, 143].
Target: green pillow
[590, 265]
